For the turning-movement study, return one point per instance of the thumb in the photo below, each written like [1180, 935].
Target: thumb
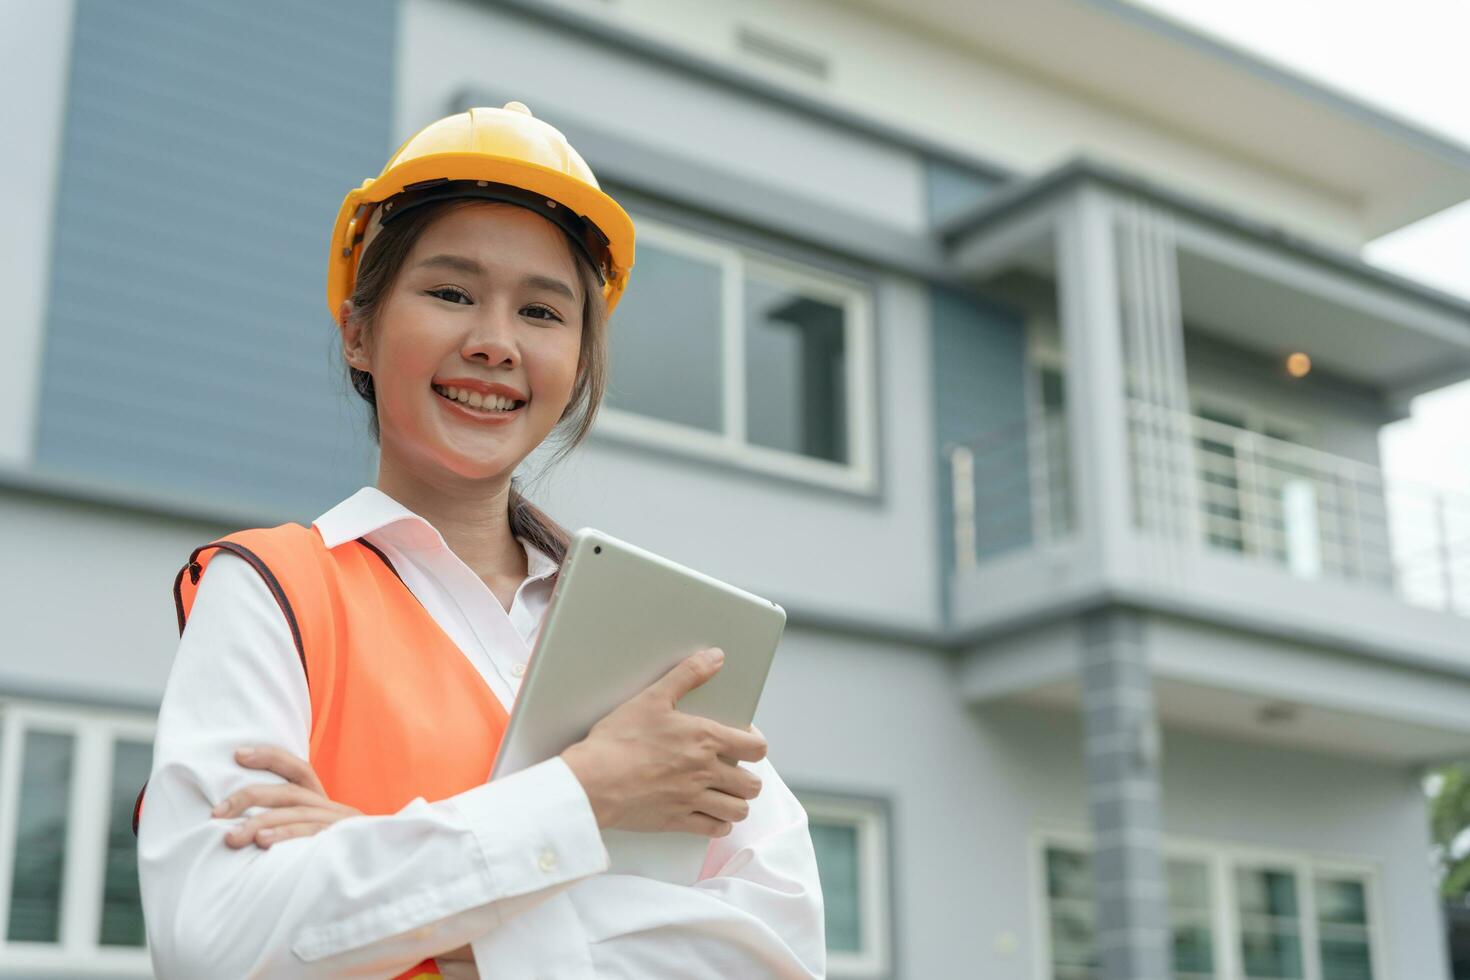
[689, 673]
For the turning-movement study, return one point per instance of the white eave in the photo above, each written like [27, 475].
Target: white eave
[1155, 68]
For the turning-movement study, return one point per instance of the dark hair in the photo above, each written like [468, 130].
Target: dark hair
[377, 272]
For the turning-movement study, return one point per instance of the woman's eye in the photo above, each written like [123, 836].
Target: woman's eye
[451, 291]
[550, 313]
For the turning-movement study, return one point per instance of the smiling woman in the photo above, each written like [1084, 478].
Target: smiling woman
[318, 804]
[489, 299]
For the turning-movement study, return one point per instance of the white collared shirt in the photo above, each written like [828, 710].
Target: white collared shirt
[516, 868]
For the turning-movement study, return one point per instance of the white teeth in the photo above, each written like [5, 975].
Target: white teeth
[473, 399]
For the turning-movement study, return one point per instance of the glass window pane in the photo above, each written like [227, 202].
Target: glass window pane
[1194, 948]
[122, 909]
[1261, 891]
[1072, 939]
[664, 341]
[836, 845]
[1270, 931]
[1341, 900]
[795, 369]
[1274, 953]
[1342, 928]
[40, 844]
[1189, 885]
[1189, 919]
[1346, 959]
[1068, 874]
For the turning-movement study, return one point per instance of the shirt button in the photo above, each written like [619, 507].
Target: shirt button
[518, 669]
[547, 860]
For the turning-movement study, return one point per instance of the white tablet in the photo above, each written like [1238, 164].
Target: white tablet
[620, 618]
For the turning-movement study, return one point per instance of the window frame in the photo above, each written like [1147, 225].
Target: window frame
[872, 820]
[734, 261]
[1221, 859]
[96, 732]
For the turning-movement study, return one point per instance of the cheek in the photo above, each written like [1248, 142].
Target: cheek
[557, 367]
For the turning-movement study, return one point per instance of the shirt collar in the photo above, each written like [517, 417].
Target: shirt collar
[371, 510]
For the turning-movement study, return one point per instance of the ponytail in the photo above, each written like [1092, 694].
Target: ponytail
[532, 523]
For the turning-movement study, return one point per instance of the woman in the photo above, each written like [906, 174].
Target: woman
[364, 667]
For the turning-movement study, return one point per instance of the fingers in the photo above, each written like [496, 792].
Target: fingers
[703, 823]
[266, 794]
[293, 769]
[723, 806]
[688, 674]
[267, 826]
[274, 835]
[737, 744]
[736, 781]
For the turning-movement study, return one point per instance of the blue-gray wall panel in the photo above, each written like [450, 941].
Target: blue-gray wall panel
[980, 392]
[207, 146]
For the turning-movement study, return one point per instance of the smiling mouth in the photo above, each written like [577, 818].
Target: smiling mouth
[476, 402]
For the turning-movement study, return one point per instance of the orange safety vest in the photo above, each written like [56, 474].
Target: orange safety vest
[397, 710]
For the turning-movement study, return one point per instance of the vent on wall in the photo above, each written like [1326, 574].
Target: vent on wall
[782, 52]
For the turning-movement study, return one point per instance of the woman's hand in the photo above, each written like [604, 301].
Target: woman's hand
[299, 808]
[649, 766]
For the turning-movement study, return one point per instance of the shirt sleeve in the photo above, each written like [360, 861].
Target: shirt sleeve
[756, 912]
[369, 896]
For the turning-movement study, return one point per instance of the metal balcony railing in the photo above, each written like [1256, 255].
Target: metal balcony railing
[1010, 488]
[1312, 513]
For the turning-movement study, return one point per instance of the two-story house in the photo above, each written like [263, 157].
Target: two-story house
[1022, 351]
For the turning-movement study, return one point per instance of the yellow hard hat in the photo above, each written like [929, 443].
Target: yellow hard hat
[501, 154]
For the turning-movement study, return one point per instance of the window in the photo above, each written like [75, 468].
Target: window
[850, 836]
[68, 865]
[1070, 901]
[727, 353]
[1231, 914]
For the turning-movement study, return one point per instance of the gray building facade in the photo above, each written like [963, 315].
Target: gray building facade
[1112, 651]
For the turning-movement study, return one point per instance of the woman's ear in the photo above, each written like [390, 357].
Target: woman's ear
[354, 347]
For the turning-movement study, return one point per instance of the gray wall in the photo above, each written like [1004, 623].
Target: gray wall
[826, 553]
[970, 789]
[88, 613]
[206, 148]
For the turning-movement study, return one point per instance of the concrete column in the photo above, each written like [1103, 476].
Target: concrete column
[1093, 358]
[1121, 747]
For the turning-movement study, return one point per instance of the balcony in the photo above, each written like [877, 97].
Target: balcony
[1287, 508]
[1159, 455]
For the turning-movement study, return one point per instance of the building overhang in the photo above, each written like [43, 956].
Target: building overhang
[1248, 283]
[1121, 55]
[1243, 685]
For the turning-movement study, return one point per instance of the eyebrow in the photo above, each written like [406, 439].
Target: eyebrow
[468, 266]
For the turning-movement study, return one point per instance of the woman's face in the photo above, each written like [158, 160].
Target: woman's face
[488, 300]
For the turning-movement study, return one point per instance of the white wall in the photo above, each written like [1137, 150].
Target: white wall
[884, 69]
[35, 57]
[446, 46]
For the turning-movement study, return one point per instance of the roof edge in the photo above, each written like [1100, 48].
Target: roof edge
[1082, 169]
[1387, 121]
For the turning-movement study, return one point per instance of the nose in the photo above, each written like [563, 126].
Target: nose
[491, 338]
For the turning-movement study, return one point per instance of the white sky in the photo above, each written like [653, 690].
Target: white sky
[1412, 58]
